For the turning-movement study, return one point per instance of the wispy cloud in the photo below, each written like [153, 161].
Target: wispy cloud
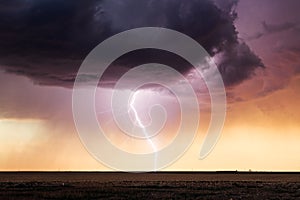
[274, 28]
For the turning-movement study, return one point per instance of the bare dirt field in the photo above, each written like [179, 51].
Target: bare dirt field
[181, 185]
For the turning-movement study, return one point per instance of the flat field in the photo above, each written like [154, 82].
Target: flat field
[163, 185]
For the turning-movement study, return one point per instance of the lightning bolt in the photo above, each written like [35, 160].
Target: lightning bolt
[140, 123]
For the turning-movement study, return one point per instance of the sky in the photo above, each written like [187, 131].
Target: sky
[254, 43]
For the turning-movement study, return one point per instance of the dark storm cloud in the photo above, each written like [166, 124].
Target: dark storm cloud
[47, 40]
[238, 63]
[228, 6]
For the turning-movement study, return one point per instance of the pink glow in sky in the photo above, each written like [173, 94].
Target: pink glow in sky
[261, 131]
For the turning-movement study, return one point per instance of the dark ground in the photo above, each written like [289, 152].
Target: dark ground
[92, 185]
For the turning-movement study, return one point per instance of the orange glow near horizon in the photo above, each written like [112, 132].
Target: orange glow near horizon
[259, 135]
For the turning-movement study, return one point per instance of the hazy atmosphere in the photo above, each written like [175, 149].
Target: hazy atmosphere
[254, 43]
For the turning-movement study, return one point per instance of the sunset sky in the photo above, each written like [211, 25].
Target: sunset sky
[255, 44]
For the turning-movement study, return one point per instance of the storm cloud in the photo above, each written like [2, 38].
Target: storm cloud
[46, 40]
